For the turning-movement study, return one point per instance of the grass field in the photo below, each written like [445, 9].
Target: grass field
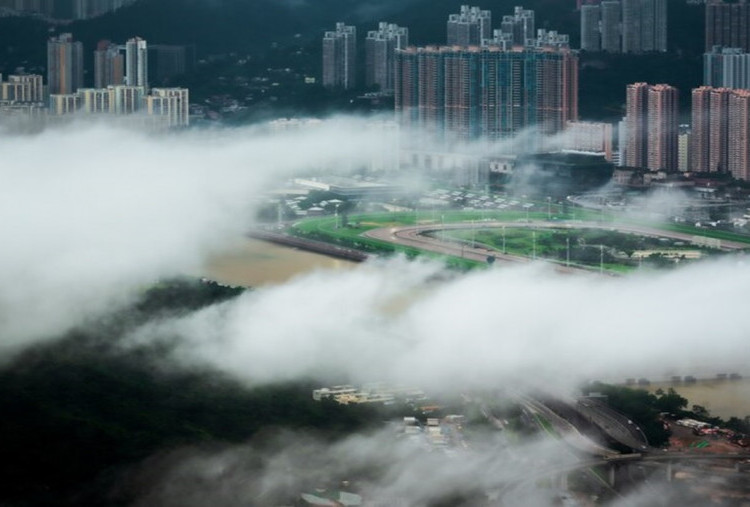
[582, 245]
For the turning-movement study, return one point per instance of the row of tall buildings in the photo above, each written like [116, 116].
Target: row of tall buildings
[64, 9]
[465, 93]
[340, 55]
[484, 83]
[471, 26]
[488, 84]
[114, 64]
[720, 134]
[718, 139]
[624, 26]
[651, 127]
[121, 85]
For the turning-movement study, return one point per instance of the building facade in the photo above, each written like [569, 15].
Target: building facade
[340, 57]
[22, 89]
[728, 24]
[170, 104]
[469, 27]
[520, 26]
[592, 137]
[651, 126]
[380, 50]
[109, 65]
[663, 127]
[611, 21]
[590, 27]
[738, 157]
[136, 63]
[644, 26]
[64, 65]
[726, 68]
[720, 131]
[470, 93]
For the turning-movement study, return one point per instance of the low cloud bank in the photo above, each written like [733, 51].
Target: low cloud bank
[396, 321]
[92, 213]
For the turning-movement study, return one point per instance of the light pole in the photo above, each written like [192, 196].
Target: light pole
[337, 215]
[549, 208]
[504, 251]
[567, 252]
[601, 259]
[533, 244]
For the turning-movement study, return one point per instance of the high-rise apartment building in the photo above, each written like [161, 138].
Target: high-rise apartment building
[109, 65]
[700, 129]
[683, 149]
[340, 57]
[726, 68]
[590, 27]
[644, 26]
[663, 127]
[636, 107]
[728, 24]
[739, 134]
[651, 126]
[611, 21]
[491, 93]
[64, 65]
[136, 63]
[719, 129]
[380, 50]
[521, 26]
[469, 27]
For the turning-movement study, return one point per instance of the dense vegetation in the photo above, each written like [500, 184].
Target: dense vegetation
[80, 410]
[646, 408]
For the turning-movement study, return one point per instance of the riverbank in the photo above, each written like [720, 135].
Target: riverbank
[252, 263]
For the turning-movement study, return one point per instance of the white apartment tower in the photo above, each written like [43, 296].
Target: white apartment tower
[171, 104]
[380, 48]
[469, 27]
[136, 63]
[521, 26]
[340, 57]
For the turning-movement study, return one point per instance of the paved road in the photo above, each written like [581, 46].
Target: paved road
[617, 426]
[416, 237]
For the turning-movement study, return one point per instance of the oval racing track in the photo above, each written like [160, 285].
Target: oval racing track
[415, 236]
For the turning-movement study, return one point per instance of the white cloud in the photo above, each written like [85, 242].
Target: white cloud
[91, 213]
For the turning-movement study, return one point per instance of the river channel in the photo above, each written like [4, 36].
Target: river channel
[252, 263]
